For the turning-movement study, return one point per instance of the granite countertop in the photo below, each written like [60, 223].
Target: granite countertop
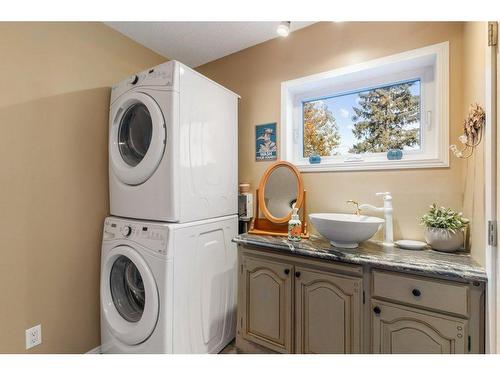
[457, 266]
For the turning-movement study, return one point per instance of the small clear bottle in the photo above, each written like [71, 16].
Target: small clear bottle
[295, 226]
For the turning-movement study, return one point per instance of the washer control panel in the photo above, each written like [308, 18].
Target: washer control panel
[150, 236]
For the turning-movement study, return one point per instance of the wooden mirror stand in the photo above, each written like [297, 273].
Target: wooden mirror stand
[269, 223]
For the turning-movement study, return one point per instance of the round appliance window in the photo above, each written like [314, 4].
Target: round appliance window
[127, 289]
[134, 134]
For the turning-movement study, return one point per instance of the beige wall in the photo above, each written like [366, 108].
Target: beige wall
[256, 74]
[54, 183]
[475, 44]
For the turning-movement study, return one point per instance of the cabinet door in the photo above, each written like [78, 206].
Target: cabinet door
[404, 330]
[267, 312]
[327, 312]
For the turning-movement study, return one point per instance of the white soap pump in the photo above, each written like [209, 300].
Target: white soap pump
[387, 210]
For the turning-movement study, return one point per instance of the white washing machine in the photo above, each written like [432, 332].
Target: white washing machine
[168, 288]
[173, 147]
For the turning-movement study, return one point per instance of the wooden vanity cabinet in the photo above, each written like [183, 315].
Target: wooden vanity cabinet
[297, 304]
[292, 307]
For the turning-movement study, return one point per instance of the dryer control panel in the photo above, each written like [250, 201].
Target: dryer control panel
[151, 236]
[163, 76]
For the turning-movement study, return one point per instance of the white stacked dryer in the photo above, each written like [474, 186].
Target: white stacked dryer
[173, 146]
[173, 191]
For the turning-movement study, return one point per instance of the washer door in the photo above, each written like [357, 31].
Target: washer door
[137, 138]
[129, 296]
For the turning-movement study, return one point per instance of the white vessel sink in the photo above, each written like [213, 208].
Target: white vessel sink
[345, 230]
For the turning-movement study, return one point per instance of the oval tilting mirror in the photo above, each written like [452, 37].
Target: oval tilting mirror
[280, 188]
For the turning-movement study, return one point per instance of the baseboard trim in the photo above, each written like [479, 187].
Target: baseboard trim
[96, 350]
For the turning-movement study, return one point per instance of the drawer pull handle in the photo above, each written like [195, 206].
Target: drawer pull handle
[376, 310]
[297, 274]
[416, 292]
[287, 271]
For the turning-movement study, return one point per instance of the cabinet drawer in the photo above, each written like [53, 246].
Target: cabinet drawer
[433, 294]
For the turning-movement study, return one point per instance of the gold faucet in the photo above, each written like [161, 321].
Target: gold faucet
[358, 211]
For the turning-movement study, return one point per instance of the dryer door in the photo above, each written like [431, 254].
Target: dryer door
[137, 137]
[129, 296]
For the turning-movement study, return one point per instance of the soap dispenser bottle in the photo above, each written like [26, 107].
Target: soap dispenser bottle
[294, 226]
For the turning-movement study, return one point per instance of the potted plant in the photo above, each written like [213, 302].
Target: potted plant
[444, 228]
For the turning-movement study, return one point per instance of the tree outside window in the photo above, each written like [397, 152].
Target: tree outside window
[321, 135]
[368, 121]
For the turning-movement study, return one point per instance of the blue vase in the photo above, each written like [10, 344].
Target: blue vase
[314, 159]
[395, 154]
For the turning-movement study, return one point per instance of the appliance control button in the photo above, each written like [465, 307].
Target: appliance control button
[133, 79]
[126, 230]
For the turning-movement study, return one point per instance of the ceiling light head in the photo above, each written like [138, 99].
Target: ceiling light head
[283, 28]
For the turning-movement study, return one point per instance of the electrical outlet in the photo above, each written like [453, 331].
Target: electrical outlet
[33, 336]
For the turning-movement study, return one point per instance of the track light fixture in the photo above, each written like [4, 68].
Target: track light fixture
[283, 28]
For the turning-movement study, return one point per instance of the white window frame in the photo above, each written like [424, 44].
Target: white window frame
[429, 64]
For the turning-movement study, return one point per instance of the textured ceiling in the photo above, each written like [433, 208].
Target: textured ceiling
[196, 43]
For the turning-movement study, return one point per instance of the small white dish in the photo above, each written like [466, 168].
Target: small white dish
[411, 244]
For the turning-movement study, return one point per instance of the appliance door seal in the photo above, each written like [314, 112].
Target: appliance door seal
[137, 138]
[129, 296]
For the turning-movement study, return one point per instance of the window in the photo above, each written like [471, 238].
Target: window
[353, 116]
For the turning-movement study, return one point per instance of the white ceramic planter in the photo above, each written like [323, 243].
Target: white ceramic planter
[443, 239]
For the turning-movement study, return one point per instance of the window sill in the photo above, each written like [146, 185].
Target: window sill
[367, 165]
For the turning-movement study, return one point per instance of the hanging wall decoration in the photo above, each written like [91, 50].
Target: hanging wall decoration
[473, 132]
[265, 142]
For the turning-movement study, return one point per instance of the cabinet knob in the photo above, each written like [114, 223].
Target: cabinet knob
[297, 274]
[416, 292]
[287, 271]
[376, 310]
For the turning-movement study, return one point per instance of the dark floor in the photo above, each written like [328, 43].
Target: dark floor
[231, 349]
